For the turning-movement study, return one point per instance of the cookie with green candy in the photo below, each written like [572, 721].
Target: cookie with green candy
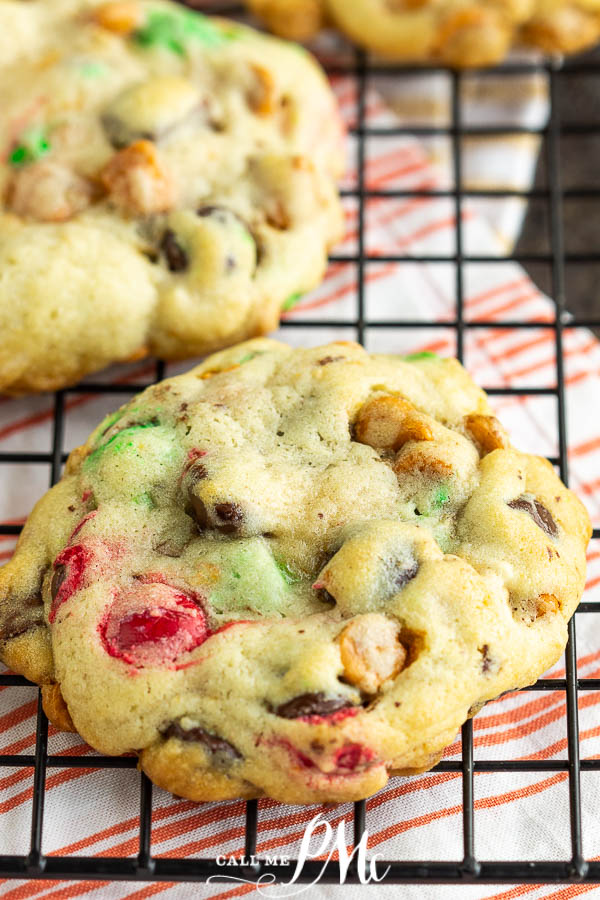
[167, 181]
[292, 573]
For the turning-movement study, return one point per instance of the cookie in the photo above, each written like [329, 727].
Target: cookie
[292, 572]
[167, 181]
[460, 33]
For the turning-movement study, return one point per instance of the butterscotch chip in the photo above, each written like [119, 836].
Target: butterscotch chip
[136, 180]
[262, 94]
[387, 423]
[547, 603]
[55, 707]
[414, 461]
[120, 17]
[486, 431]
[371, 652]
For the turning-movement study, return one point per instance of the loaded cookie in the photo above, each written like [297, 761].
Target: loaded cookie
[167, 181]
[459, 33]
[292, 573]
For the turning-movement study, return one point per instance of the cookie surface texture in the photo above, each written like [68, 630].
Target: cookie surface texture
[167, 181]
[460, 33]
[293, 572]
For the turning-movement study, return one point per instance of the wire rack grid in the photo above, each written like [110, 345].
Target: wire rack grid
[469, 870]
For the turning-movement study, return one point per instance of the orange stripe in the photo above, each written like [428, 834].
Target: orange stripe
[373, 275]
[199, 818]
[15, 716]
[481, 803]
[408, 157]
[585, 447]
[234, 892]
[522, 731]
[531, 294]
[527, 709]
[494, 292]
[551, 360]
[126, 825]
[401, 171]
[516, 349]
[563, 894]
[30, 421]
[399, 827]
[393, 215]
[70, 889]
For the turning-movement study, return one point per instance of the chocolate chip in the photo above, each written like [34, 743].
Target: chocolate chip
[329, 359]
[540, 515]
[177, 258]
[169, 548]
[486, 659]
[197, 472]
[317, 704]
[403, 576]
[198, 511]
[120, 135]
[219, 212]
[20, 616]
[211, 741]
[230, 264]
[60, 573]
[230, 515]
[138, 423]
[222, 214]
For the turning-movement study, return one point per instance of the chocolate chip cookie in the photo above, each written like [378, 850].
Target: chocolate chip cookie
[292, 573]
[459, 33]
[167, 182]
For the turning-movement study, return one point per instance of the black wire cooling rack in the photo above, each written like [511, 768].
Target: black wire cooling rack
[558, 260]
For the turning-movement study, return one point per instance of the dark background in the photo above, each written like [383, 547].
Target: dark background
[578, 101]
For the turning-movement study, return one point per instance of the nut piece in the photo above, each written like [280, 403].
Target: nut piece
[387, 423]
[546, 603]
[48, 192]
[486, 432]
[55, 707]
[136, 180]
[121, 18]
[371, 651]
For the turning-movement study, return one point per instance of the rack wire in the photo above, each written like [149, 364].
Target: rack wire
[469, 870]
